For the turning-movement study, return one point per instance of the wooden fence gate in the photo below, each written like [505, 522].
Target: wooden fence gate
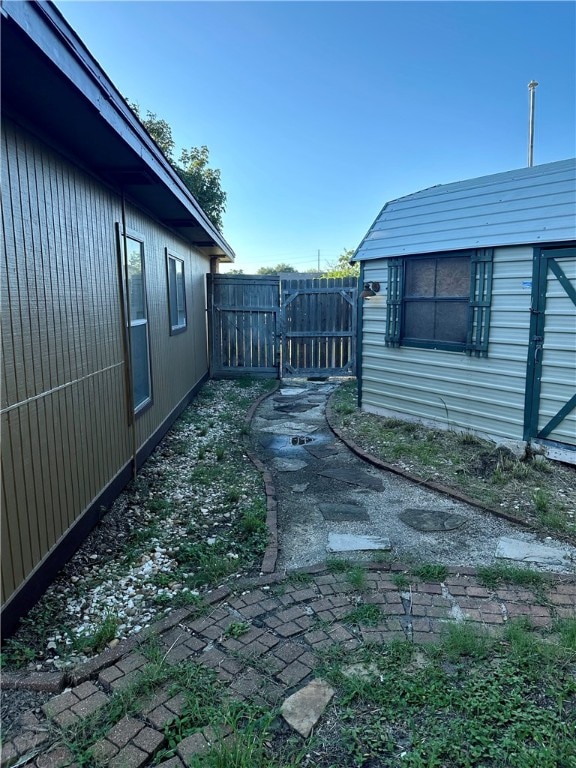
[270, 327]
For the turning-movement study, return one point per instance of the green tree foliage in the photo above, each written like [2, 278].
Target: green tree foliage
[342, 268]
[276, 270]
[192, 166]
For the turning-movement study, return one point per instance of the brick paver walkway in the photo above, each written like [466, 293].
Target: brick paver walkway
[285, 622]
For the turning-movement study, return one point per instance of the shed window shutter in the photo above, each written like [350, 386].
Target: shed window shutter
[480, 300]
[394, 302]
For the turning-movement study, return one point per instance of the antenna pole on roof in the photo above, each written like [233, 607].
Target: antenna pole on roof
[532, 85]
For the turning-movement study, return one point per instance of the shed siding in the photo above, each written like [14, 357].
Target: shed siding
[65, 433]
[485, 395]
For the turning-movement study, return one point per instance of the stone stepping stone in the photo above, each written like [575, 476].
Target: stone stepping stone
[266, 440]
[342, 513]
[289, 401]
[297, 408]
[300, 488]
[289, 465]
[304, 708]
[292, 391]
[289, 428]
[354, 477]
[347, 542]
[321, 451]
[429, 520]
[531, 552]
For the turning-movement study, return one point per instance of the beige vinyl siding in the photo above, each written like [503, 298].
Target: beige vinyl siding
[485, 395]
[558, 382]
[65, 427]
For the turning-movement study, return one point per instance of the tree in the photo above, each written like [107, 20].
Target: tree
[343, 268]
[192, 166]
[276, 270]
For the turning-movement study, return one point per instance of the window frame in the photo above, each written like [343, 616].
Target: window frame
[129, 234]
[479, 301]
[173, 308]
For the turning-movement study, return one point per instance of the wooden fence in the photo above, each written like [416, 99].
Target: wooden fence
[272, 327]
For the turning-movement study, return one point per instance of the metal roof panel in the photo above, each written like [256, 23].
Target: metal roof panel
[528, 205]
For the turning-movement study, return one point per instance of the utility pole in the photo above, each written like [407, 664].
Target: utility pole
[532, 85]
[318, 259]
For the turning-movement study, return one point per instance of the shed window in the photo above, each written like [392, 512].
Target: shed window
[176, 294]
[138, 322]
[440, 301]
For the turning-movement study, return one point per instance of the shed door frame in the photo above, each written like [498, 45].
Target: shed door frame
[546, 260]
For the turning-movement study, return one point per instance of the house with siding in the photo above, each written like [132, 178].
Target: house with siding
[103, 281]
[469, 316]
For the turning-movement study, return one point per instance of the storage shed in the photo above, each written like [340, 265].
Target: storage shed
[470, 319]
[103, 296]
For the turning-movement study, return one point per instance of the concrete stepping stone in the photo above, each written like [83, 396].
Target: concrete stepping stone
[531, 552]
[347, 542]
[354, 477]
[304, 708]
[322, 451]
[431, 519]
[289, 465]
[341, 513]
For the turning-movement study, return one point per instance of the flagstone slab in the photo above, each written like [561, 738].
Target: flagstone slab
[341, 513]
[295, 407]
[431, 520]
[292, 391]
[304, 708]
[290, 428]
[530, 552]
[322, 451]
[354, 477]
[348, 542]
[289, 465]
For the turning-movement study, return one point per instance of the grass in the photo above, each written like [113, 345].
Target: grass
[365, 614]
[540, 492]
[430, 572]
[474, 700]
[493, 576]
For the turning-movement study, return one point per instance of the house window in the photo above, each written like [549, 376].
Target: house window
[176, 294]
[138, 323]
[440, 301]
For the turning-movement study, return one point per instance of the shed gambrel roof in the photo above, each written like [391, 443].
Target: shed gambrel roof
[528, 206]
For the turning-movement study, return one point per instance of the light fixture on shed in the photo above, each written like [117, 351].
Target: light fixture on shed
[370, 290]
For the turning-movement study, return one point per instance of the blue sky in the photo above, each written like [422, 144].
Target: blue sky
[317, 113]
